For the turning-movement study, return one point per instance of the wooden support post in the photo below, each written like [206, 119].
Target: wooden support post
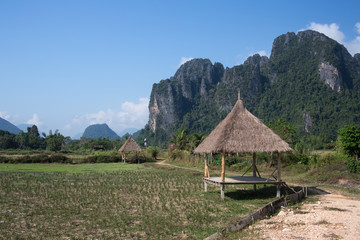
[222, 191]
[279, 167]
[206, 169]
[278, 186]
[223, 167]
[205, 186]
[205, 175]
[254, 168]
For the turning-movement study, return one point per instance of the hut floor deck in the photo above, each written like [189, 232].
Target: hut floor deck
[240, 180]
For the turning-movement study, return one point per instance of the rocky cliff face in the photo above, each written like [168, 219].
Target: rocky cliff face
[330, 75]
[172, 98]
[305, 72]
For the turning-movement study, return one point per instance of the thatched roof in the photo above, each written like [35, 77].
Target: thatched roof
[130, 146]
[242, 132]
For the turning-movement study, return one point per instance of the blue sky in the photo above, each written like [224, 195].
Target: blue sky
[68, 64]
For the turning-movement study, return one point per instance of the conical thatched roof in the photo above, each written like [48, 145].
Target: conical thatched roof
[130, 146]
[242, 132]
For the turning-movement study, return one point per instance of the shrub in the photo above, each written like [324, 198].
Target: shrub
[154, 152]
[4, 159]
[353, 166]
[58, 158]
[176, 154]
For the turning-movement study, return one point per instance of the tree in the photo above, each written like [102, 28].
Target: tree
[194, 140]
[22, 140]
[180, 137]
[284, 129]
[7, 140]
[34, 139]
[54, 141]
[349, 139]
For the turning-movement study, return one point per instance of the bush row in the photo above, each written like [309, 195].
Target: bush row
[60, 158]
[39, 158]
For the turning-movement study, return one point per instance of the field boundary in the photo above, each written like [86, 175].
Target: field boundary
[261, 213]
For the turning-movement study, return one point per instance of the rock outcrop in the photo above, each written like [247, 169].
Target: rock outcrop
[330, 75]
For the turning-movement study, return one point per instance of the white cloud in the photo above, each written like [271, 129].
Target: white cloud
[184, 60]
[357, 25]
[35, 120]
[354, 45]
[333, 31]
[100, 117]
[240, 58]
[4, 115]
[261, 53]
[130, 115]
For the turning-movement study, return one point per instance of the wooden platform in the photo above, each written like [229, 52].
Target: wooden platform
[240, 180]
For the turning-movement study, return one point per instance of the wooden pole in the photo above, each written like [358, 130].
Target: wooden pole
[223, 166]
[254, 168]
[222, 191]
[205, 166]
[278, 186]
[279, 167]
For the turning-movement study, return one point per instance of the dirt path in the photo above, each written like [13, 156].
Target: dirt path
[331, 217]
[164, 163]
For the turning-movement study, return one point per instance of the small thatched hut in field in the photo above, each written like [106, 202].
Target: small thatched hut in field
[242, 132]
[129, 146]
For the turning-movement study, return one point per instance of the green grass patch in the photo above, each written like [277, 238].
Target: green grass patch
[56, 167]
[117, 201]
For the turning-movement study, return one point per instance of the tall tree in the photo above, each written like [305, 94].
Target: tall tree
[34, 139]
[349, 138]
[284, 129]
[54, 141]
[180, 137]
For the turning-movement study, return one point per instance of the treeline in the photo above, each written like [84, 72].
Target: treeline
[54, 141]
[32, 140]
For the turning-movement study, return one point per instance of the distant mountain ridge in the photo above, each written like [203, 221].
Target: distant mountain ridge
[99, 131]
[8, 126]
[309, 80]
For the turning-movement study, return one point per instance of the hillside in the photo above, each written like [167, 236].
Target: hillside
[309, 80]
[99, 131]
[8, 126]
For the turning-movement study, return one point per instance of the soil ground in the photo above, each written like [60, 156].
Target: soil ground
[330, 216]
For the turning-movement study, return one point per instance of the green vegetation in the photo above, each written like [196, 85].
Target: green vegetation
[115, 201]
[68, 168]
[349, 139]
[185, 141]
[31, 140]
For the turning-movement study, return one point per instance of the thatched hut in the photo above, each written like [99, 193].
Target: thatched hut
[242, 132]
[129, 146]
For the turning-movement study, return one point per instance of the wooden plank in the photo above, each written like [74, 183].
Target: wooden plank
[240, 180]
